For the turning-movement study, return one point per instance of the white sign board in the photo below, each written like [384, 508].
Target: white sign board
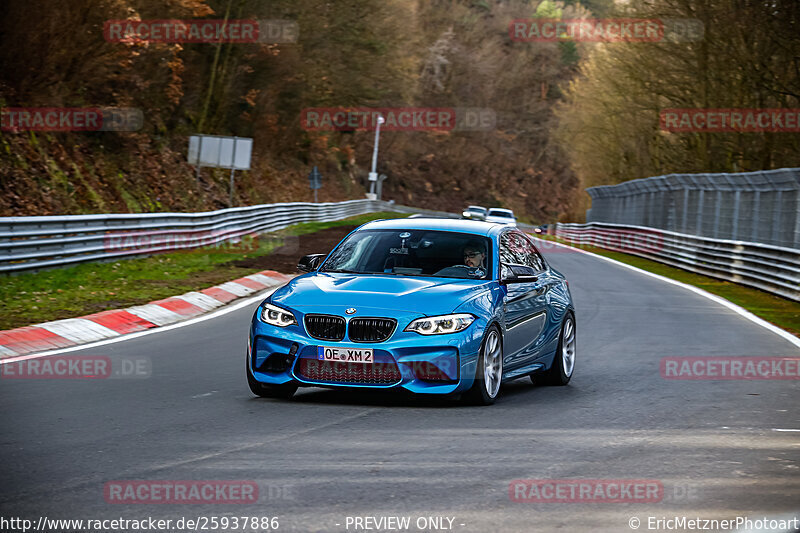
[220, 152]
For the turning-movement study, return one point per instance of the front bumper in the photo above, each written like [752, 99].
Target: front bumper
[434, 364]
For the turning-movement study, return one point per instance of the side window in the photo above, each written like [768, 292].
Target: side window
[516, 248]
[513, 249]
[536, 257]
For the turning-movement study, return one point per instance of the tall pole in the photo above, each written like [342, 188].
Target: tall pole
[373, 176]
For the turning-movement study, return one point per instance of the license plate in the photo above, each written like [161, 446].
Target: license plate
[345, 355]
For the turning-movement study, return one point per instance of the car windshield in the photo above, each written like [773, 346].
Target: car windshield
[476, 209]
[503, 214]
[412, 253]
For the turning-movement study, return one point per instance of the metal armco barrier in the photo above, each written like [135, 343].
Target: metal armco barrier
[761, 206]
[773, 269]
[29, 243]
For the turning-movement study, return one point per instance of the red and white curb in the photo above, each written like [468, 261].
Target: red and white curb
[99, 326]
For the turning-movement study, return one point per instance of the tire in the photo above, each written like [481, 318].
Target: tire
[485, 391]
[268, 391]
[564, 361]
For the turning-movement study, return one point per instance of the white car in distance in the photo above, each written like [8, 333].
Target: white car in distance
[474, 212]
[501, 216]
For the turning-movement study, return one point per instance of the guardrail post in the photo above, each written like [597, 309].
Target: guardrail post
[685, 209]
[756, 215]
[628, 206]
[699, 227]
[797, 220]
[633, 205]
[736, 199]
[668, 211]
[776, 220]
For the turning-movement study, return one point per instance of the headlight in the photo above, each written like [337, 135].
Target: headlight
[438, 325]
[276, 316]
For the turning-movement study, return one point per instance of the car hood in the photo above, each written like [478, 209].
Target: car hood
[321, 292]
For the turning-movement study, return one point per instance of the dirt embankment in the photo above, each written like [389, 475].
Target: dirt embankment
[284, 259]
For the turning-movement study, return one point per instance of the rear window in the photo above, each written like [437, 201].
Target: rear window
[504, 214]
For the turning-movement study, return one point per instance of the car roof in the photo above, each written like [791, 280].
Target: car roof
[475, 207]
[442, 224]
[501, 209]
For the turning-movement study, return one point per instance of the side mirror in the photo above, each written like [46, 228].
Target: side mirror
[510, 273]
[309, 263]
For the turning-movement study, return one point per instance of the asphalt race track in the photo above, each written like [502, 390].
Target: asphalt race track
[721, 449]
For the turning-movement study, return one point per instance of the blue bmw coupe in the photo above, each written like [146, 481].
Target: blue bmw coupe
[433, 306]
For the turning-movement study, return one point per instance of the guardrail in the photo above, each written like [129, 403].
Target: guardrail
[33, 243]
[770, 268]
[37, 242]
[761, 206]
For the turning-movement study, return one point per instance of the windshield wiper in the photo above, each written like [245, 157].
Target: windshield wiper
[344, 271]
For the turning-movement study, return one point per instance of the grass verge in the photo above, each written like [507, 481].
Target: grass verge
[31, 298]
[779, 311]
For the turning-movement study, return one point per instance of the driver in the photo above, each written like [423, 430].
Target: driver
[474, 254]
